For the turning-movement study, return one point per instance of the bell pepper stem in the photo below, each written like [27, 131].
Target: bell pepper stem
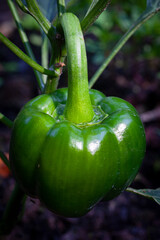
[13, 210]
[78, 107]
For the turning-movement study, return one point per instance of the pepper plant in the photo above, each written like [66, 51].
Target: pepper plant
[71, 147]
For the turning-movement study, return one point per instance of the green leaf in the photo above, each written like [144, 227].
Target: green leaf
[48, 7]
[91, 6]
[95, 9]
[149, 193]
[32, 8]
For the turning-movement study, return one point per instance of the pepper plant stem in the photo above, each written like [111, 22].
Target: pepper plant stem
[25, 57]
[51, 84]
[61, 7]
[57, 63]
[13, 210]
[58, 54]
[44, 56]
[78, 108]
[15, 205]
[25, 41]
[142, 19]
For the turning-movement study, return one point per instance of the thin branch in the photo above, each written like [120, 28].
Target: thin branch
[44, 56]
[25, 57]
[32, 8]
[25, 41]
[151, 115]
[13, 210]
[4, 159]
[6, 121]
[142, 19]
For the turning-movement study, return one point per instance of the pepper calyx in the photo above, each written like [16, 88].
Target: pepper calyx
[99, 116]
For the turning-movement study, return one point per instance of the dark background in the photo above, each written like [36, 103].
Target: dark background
[133, 75]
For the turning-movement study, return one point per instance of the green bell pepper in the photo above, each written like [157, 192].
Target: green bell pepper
[73, 148]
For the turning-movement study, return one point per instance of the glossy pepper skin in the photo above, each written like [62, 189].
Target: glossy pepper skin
[73, 148]
[72, 167]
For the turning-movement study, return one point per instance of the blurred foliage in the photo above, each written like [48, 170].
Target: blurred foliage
[114, 22]
[79, 7]
[29, 23]
[110, 27]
